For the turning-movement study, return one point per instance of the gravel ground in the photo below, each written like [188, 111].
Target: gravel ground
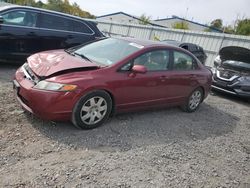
[163, 148]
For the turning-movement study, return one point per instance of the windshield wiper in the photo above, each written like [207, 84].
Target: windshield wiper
[81, 55]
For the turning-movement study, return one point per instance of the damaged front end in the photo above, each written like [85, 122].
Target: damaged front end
[231, 73]
[41, 85]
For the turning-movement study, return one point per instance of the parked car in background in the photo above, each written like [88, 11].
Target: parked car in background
[193, 48]
[27, 30]
[231, 72]
[87, 83]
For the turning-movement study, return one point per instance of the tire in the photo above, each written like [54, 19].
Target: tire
[92, 110]
[194, 100]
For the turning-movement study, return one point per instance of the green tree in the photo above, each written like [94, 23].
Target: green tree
[56, 5]
[243, 27]
[144, 20]
[217, 23]
[228, 29]
[22, 2]
[180, 25]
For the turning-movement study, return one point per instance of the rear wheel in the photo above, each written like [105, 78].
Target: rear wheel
[92, 110]
[193, 101]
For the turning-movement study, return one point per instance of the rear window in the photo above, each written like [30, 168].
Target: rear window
[81, 27]
[183, 62]
[55, 22]
[49, 21]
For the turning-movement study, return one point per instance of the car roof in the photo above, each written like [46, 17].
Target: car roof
[172, 42]
[145, 43]
[44, 10]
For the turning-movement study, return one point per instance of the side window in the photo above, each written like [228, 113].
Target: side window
[81, 27]
[20, 18]
[154, 60]
[183, 61]
[193, 48]
[185, 47]
[127, 67]
[55, 22]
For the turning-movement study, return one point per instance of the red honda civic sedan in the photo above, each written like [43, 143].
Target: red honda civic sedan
[87, 83]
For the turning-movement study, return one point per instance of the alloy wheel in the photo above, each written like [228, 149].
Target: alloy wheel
[195, 99]
[93, 110]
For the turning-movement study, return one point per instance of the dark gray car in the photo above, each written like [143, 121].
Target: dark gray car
[27, 30]
[193, 48]
[231, 72]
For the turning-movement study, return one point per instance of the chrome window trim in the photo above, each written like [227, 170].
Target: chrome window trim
[48, 13]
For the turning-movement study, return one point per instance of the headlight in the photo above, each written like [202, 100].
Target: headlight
[213, 70]
[217, 59]
[52, 86]
[245, 79]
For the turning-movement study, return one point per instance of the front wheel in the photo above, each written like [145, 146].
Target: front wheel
[193, 101]
[92, 110]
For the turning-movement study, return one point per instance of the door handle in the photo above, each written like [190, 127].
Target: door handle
[192, 76]
[163, 78]
[70, 37]
[31, 33]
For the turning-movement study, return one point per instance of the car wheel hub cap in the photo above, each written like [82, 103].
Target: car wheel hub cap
[195, 100]
[93, 110]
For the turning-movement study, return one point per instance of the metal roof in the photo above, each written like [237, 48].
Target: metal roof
[182, 19]
[134, 17]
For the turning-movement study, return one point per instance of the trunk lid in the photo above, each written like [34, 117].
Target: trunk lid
[46, 63]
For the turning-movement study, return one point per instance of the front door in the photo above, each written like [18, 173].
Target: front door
[139, 90]
[18, 34]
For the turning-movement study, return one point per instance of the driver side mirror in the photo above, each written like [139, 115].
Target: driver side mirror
[1, 20]
[139, 69]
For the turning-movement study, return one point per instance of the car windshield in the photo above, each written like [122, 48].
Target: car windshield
[108, 51]
[237, 65]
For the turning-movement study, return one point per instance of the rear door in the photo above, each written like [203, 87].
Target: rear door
[18, 34]
[57, 31]
[183, 77]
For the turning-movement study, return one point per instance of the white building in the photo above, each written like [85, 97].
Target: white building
[122, 17]
[194, 26]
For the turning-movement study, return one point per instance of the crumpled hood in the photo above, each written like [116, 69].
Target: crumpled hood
[235, 53]
[47, 63]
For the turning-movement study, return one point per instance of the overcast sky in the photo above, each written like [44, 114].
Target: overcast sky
[203, 11]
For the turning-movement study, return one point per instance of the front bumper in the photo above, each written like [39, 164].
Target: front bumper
[233, 88]
[49, 105]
